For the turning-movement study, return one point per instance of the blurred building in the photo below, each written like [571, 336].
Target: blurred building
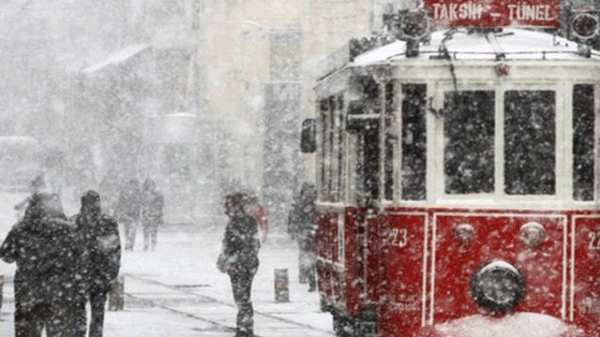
[102, 82]
[258, 60]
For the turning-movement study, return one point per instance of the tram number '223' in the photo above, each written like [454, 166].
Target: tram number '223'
[397, 237]
[594, 240]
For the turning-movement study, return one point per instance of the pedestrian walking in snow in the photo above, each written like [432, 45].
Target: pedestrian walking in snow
[152, 213]
[100, 235]
[239, 259]
[128, 211]
[302, 224]
[48, 281]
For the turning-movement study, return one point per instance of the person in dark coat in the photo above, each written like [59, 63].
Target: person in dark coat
[48, 281]
[152, 213]
[128, 211]
[100, 234]
[302, 223]
[239, 259]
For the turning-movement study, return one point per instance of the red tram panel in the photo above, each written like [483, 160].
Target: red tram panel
[585, 266]
[404, 237]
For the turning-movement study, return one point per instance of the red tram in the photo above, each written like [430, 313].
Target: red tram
[458, 186]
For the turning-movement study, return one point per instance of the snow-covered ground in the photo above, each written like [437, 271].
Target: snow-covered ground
[177, 290]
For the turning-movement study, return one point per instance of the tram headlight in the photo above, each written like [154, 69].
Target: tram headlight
[498, 286]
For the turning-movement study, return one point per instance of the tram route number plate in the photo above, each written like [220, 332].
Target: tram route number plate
[495, 13]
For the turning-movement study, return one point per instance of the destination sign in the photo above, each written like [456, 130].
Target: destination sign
[495, 13]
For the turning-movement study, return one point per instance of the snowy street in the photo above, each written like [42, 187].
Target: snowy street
[177, 291]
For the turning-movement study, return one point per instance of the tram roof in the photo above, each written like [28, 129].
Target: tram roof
[462, 44]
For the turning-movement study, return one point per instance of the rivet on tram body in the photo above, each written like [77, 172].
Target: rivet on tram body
[464, 233]
[532, 234]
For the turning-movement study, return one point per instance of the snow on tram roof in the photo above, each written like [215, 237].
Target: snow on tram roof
[514, 44]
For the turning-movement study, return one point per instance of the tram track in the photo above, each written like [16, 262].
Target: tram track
[208, 299]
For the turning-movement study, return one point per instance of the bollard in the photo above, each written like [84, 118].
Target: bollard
[116, 300]
[282, 292]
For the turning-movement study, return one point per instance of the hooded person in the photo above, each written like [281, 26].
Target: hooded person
[100, 234]
[48, 278]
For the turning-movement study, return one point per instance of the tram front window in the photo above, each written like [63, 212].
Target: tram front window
[583, 142]
[529, 142]
[469, 142]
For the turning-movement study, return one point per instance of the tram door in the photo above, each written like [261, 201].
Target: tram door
[366, 164]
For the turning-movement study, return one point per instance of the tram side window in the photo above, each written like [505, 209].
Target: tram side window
[324, 167]
[583, 142]
[341, 187]
[529, 142]
[331, 158]
[469, 137]
[414, 152]
[331, 184]
[391, 139]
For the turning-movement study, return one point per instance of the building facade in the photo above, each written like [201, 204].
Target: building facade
[258, 60]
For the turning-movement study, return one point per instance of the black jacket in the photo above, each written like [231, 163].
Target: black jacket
[50, 259]
[103, 248]
[240, 244]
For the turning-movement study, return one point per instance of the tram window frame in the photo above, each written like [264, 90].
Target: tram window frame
[332, 148]
[341, 151]
[531, 178]
[584, 140]
[413, 141]
[364, 143]
[498, 193]
[470, 175]
[390, 140]
[331, 195]
[323, 106]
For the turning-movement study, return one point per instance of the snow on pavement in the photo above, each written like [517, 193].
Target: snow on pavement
[185, 259]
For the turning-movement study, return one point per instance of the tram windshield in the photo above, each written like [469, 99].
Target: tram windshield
[509, 142]
[519, 137]
[518, 141]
